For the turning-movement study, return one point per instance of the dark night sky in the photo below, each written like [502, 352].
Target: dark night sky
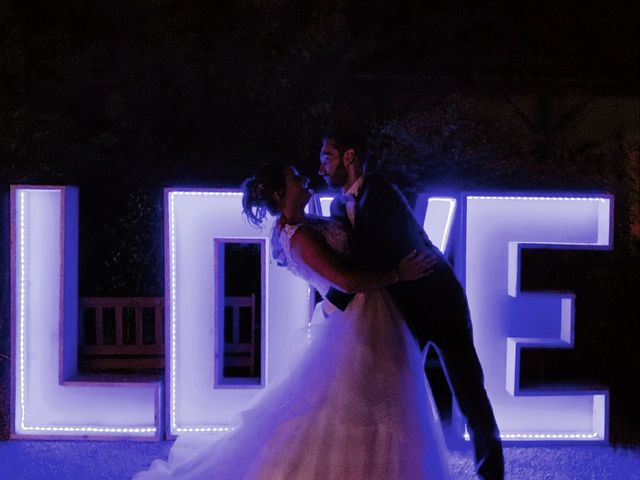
[188, 91]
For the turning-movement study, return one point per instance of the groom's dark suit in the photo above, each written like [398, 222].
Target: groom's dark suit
[435, 307]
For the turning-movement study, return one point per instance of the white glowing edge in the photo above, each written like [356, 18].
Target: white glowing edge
[542, 436]
[22, 296]
[325, 205]
[438, 229]
[545, 436]
[435, 231]
[23, 313]
[600, 398]
[551, 198]
[173, 356]
[173, 318]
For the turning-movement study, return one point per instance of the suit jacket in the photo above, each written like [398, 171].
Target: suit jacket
[384, 232]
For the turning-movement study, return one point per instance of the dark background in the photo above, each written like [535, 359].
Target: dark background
[124, 97]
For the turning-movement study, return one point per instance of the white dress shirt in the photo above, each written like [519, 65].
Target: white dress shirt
[351, 196]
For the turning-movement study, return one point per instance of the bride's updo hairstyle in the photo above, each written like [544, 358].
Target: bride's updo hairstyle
[258, 192]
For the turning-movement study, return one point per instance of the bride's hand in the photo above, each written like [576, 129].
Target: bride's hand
[416, 265]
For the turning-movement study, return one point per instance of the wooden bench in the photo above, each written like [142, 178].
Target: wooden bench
[239, 341]
[126, 335]
[123, 334]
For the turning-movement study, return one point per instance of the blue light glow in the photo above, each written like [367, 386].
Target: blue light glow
[438, 220]
[51, 404]
[507, 320]
[324, 204]
[496, 229]
[196, 219]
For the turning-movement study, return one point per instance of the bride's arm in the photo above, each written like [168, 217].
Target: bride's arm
[309, 248]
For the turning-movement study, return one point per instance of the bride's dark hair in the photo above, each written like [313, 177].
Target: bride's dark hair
[258, 192]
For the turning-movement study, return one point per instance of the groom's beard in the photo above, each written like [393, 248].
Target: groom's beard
[338, 178]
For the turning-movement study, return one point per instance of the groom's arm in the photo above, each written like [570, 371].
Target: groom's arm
[336, 297]
[383, 219]
[391, 223]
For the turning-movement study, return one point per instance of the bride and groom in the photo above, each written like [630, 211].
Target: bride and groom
[357, 405]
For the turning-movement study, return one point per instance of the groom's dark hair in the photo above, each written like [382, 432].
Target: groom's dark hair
[345, 138]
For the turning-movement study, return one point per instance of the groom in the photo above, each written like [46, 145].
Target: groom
[383, 230]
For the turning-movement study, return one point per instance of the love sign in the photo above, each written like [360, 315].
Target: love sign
[49, 401]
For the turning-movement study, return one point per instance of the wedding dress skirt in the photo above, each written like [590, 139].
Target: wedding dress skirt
[356, 406]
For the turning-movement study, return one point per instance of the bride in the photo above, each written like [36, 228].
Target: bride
[357, 405]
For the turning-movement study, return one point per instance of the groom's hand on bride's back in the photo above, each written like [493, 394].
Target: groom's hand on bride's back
[416, 265]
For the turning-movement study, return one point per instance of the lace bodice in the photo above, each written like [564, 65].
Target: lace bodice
[335, 236]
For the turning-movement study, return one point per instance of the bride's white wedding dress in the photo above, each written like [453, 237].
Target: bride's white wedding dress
[355, 407]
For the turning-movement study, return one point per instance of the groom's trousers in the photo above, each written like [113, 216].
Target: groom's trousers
[437, 313]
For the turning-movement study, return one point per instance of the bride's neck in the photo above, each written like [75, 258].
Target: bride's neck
[292, 216]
